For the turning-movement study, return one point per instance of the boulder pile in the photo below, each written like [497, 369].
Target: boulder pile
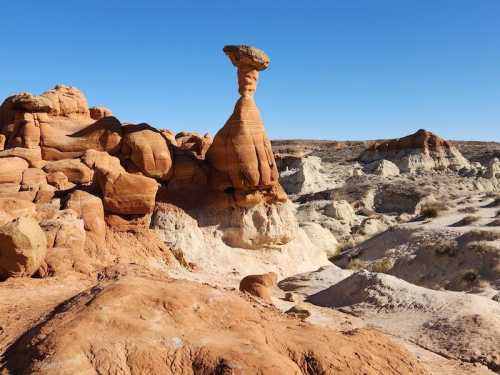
[81, 173]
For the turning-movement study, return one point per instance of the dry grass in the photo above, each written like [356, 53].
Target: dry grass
[481, 235]
[443, 247]
[381, 265]
[469, 210]
[432, 209]
[482, 247]
[471, 275]
[467, 220]
[357, 264]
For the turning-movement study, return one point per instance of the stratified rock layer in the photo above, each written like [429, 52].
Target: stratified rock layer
[241, 153]
[420, 151]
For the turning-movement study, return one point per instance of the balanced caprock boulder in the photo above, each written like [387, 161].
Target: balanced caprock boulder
[241, 153]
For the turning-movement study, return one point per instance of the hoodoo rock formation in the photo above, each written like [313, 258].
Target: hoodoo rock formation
[123, 246]
[241, 154]
[420, 151]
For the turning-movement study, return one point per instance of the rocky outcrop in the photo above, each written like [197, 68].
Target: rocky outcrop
[301, 175]
[241, 155]
[493, 169]
[148, 150]
[194, 143]
[255, 227]
[156, 325]
[90, 208]
[455, 325]
[123, 193]
[11, 170]
[22, 248]
[59, 122]
[420, 151]
[75, 171]
[383, 168]
[341, 210]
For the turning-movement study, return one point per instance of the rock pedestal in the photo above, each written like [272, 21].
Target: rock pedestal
[241, 154]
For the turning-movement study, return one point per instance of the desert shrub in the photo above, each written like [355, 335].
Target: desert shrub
[357, 264]
[382, 265]
[467, 220]
[482, 247]
[443, 247]
[470, 275]
[481, 235]
[469, 210]
[432, 209]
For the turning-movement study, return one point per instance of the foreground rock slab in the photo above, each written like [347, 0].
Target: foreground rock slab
[155, 325]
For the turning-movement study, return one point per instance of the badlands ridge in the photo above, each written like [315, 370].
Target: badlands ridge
[128, 249]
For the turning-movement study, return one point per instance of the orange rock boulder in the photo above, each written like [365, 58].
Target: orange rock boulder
[123, 193]
[11, 170]
[22, 247]
[148, 150]
[154, 325]
[259, 285]
[90, 208]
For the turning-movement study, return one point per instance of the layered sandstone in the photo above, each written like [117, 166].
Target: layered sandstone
[241, 154]
[58, 121]
[422, 150]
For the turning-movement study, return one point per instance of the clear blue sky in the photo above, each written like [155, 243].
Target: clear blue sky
[351, 69]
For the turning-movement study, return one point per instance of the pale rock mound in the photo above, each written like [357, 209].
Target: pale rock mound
[457, 325]
[383, 168]
[301, 175]
[22, 248]
[205, 247]
[436, 258]
[321, 238]
[493, 169]
[341, 210]
[420, 151]
[165, 326]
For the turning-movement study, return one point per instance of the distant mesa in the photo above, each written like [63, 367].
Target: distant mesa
[422, 150]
